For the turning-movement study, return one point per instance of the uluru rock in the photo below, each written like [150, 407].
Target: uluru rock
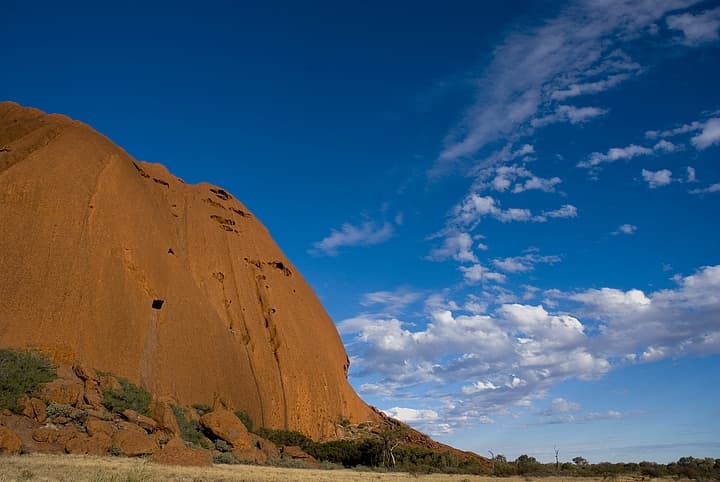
[117, 265]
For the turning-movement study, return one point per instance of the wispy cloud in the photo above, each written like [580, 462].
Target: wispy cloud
[656, 179]
[524, 263]
[576, 53]
[391, 301]
[698, 28]
[710, 188]
[367, 233]
[568, 113]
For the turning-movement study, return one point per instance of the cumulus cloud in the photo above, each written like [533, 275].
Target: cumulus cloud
[479, 273]
[657, 179]
[512, 354]
[709, 136]
[367, 233]
[475, 207]
[411, 415]
[457, 245]
[698, 28]
[691, 174]
[513, 178]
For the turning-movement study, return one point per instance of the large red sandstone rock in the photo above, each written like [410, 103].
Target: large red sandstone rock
[133, 442]
[10, 443]
[94, 427]
[98, 444]
[162, 413]
[296, 453]
[121, 266]
[62, 391]
[175, 452]
[225, 425]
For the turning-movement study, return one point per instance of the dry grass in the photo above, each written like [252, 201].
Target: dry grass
[39, 467]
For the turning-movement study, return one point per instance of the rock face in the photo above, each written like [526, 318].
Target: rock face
[121, 266]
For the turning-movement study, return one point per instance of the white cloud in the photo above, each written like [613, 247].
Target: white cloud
[691, 174]
[565, 211]
[411, 415]
[626, 229]
[666, 146]
[392, 301]
[456, 245]
[587, 88]
[615, 154]
[568, 113]
[710, 188]
[575, 53]
[477, 273]
[629, 152]
[478, 387]
[657, 179]
[483, 363]
[683, 129]
[501, 178]
[474, 207]
[560, 405]
[527, 262]
[709, 136]
[365, 234]
[697, 29]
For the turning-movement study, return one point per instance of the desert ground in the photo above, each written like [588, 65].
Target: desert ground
[105, 469]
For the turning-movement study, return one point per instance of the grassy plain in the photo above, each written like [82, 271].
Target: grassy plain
[38, 467]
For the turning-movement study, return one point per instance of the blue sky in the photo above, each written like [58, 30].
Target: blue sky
[510, 211]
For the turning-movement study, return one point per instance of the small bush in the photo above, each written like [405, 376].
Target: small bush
[222, 445]
[128, 396]
[286, 438]
[226, 458]
[245, 419]
[59, 410]
[201, 409]
[190, 430]
[22, 373]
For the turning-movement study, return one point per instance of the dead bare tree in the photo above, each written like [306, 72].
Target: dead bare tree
[557, 460]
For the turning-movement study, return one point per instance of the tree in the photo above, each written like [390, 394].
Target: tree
[580, 461]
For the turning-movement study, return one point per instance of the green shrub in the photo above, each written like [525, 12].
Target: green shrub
[286, 438]
[201, 409]
[59, 410]
[222, 445]
[349, 453]
[128, 396]
[245, 419]
[226, 458]
[22, 373]
[190, 430]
